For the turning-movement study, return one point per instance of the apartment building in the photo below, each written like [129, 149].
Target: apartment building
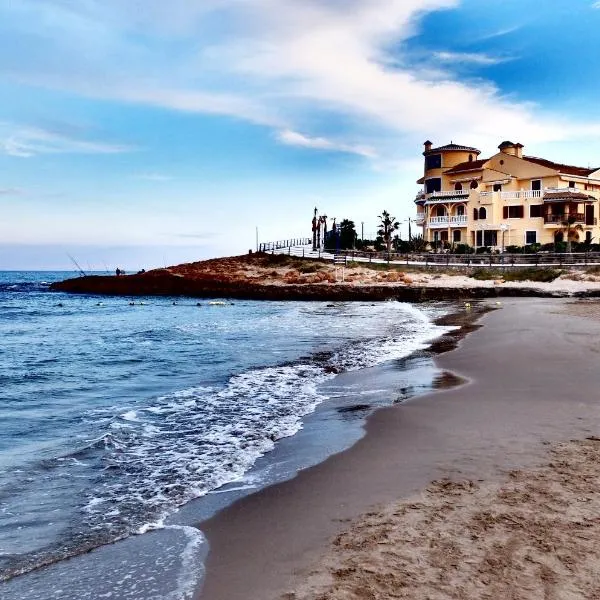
[508, 199]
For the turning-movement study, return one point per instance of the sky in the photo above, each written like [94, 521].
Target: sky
[144, 133]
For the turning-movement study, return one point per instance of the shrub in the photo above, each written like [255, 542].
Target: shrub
[463, 249]
[309, 268]
[525, 274]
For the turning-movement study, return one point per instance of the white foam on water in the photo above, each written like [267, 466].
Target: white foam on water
[191, 570]
[188, 443]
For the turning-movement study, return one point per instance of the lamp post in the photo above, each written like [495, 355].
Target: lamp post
[503, 229]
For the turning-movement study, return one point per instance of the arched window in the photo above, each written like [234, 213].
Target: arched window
[458, 187]
[474, 185]
[456, 235]
[482, 213]
[460, 210]
[470, 160]
[440, 211]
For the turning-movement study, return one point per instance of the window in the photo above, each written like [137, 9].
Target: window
[530, 237]
[497, 187]
[536, 185]
[490, 238]
[475, 214]
[470, 158]
[460, 211]
[440, 211]
[474, 185]
[512, 212]
[458, 187]
[535, 211]
[572, 184]
[482, 213]
[433, 185]
[456, 235]
[433, 162]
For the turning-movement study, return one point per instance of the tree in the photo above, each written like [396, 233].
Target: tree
[571, 230]
[347, 235]
[388, 225]
[418, 244]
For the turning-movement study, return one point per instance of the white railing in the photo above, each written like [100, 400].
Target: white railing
[562, 190]
[521, 195]
[454, 220]
[449, 193]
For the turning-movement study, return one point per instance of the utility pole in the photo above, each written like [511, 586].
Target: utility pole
[362, 230]
[257, 239]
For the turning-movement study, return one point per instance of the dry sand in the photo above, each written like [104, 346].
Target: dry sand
[536, 535]
[532, 384]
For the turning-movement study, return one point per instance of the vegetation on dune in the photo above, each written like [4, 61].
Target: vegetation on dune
[527, 274]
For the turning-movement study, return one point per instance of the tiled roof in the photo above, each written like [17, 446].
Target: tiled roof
[568, 196]
[566, 169]
[472, 165]
[450, 147]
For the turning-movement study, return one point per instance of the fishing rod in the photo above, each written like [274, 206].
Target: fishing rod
[81, 271]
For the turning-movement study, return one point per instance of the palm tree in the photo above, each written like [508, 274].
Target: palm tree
[387, 226]
[571, 230]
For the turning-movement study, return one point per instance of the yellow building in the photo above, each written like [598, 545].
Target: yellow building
[508, 199]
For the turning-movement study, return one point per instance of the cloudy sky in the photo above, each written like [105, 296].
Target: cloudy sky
[147, 132]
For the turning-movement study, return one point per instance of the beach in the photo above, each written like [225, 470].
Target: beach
[428, 469]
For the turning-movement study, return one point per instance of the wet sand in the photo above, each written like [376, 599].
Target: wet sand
[531, 374]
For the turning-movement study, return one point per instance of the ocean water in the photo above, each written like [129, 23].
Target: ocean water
[118, 416]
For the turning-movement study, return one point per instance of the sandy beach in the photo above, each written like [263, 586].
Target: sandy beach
[485, 490]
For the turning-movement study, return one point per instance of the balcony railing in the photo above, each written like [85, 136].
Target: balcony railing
[445, 221]
[521, 195]
[444, 194]
[573, 217]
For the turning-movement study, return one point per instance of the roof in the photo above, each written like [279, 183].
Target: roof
[508, 144]
[452, 148]
[553, 196]
[470, 165]
[567, 169]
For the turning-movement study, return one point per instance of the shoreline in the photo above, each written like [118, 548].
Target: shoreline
[263, 545]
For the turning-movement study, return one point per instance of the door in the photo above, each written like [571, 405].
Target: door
[589, 214]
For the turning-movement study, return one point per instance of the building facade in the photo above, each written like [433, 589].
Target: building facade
[508, 199]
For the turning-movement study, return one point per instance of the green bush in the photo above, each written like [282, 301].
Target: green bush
[525, 274]
[308, 268]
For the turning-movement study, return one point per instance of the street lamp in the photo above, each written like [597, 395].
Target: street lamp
[503, 229]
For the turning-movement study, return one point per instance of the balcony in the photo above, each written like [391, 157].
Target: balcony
[420, 219]
[521, 195]
[577, 218]
[440, 222]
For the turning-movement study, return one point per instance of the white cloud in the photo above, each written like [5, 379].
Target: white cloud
[284, 64]
[153, 177]
[596, 5]
[10, 192]
[469, 58]
[26, 142]
[293, 138]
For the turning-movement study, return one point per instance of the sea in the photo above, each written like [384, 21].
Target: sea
[126, 422]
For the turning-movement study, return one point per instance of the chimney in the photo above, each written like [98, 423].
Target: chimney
[511, 149]
[427, 145]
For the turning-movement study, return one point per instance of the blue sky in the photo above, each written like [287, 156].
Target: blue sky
[141, 133]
